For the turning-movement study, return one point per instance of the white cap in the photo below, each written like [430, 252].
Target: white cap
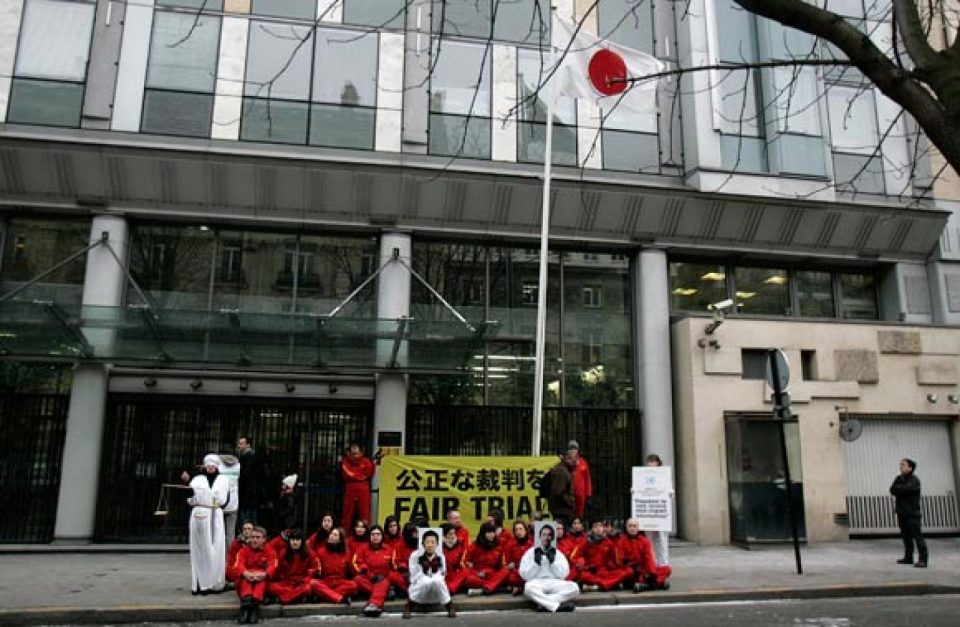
[211, 459]
[290, 480]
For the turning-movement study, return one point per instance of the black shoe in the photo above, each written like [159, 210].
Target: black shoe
[906, 560]
[346, 601]
[665, 586]
[242, 618]
[451, 611]
[922, 563]
[254, 615]
[566, 606]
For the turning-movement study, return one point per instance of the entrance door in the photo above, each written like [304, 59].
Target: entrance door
[757, 488]
[872, 462]
[149, 441]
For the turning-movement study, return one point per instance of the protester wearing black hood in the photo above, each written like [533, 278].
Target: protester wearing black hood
[906, 491]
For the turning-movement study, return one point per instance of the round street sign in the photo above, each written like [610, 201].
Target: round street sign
[783, 369]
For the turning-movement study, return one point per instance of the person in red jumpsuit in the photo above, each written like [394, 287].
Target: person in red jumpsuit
[582, 481]
[495, 517]
[636, 553]
[296, 567]
[400, 576]
[358, 538]
[454, 553]
[256, 564]
[484, 561]
[570, 547]
[372, 564]
[334, 570]
[463, 534]
[357, 470]
[234, 549]
[278, 543]
[601, 570]
[513, 552]
[318, 538]
[391, 532]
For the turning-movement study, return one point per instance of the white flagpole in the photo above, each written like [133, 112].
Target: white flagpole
[542, 283]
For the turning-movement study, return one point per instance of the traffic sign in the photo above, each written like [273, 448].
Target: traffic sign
[777, 370]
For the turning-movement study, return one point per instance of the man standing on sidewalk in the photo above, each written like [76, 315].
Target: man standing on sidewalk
[906, 491]
[248, 488]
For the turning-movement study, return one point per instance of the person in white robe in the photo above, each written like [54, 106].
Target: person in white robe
[230, 468]
[545, 570]
[207, 545]
[428, 570]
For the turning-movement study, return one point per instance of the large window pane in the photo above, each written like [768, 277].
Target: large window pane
[274, 121]
[522, 21]
[796, 103]
[858, 173]
[762, 291]
[376, 13]
[248, 272]
[183, 51]
[858, 297]
[815, 294]
[458, 272]
[853, 119]
[630, 152]
[206, 5]
[175, 113]
[739, 103]
[345, 68]
[627, 22]
[342, 127]
[45, 102]
[278, 61]
[531, 140]
[330, 268]
[302, 9]
[172, 264]
[744, 154]
[32, 246]
[737, 33]
[454, 135]
[55, 40]
[533, 70]
[694, 286]
[460, 83]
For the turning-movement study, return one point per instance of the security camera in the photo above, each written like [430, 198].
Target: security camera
[722, 305]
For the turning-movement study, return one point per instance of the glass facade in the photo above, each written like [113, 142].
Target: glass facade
[31, 246]
[589, 313]
[460, 99]
[51, 66]
[774, 291]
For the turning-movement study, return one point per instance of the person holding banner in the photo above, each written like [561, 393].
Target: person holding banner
[454, 552]
[545, 570]
[659, 539]
[484, 561]
[427, 577]
[357, 470]
[636, 553]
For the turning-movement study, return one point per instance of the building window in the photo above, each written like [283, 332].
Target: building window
[48, 82]
[296, 9]
[592, 296]
[32, 246]
[858, 297]
[532, 72]
[815, 294]
[528, 295]
[181, 74]
[854, 135]
[754, 363]
[459, 106]
[762, 291]
[343, 113]
[695, 286]
[518, 21]
[375, 13]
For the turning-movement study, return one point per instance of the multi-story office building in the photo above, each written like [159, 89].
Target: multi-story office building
[316, 221]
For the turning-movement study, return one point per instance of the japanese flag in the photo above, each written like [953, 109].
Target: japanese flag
[592, 68]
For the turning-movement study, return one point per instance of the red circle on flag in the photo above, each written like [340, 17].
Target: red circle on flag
[606, 66]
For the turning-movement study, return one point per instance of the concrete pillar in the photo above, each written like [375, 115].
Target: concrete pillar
[80, 472]
[393, 301]
[654, 377]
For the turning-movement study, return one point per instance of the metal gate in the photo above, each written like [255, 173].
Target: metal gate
[609, 440]
[32, 430]
[150, 441]
[871, 463]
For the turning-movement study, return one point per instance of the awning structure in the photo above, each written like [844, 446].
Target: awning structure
[142, 335]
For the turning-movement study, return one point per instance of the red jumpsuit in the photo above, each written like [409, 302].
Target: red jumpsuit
[601, 565]
[393, 542]
[512, 554]
[316, 541]
[456, 571]
[232, 551]
[463, 535]
[354, 544]
[292, 579]
[400, 576]
[571, 547]
[278, 543]
[255, 560]
[636, 553]
[373, 566]
[334, 567]
[488, 563]
[356, 474]
[582, 487]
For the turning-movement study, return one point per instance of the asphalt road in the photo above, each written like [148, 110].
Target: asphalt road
[918, 611]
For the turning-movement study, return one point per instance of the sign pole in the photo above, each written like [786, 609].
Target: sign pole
[778, 376]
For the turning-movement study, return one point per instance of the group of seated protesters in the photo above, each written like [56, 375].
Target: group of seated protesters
[381, 563]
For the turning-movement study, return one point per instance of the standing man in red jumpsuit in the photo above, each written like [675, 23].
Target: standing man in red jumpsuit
[357, 470]
[582, 481]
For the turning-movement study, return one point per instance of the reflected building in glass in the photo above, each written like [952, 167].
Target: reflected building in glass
[312, 222]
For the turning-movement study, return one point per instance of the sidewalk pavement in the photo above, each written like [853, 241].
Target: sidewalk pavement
[43, 585]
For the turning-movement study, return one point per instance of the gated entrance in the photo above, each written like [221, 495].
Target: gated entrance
[149, 441]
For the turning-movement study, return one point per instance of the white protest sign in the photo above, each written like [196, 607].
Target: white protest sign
[650, 497]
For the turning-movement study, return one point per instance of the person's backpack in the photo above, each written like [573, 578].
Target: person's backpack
[544, 490]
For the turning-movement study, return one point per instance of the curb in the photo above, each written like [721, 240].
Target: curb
[228, 611]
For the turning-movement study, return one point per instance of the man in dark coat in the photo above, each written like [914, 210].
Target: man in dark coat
[906, 491]
[248, 487]
[560, 481]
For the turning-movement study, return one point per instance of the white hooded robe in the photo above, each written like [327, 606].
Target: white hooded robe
[207, 545]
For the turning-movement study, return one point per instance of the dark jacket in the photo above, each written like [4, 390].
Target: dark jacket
[561, 499]
[906, 490]
[248, 488]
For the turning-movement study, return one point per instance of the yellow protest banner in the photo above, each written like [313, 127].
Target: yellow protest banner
[413, 486]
